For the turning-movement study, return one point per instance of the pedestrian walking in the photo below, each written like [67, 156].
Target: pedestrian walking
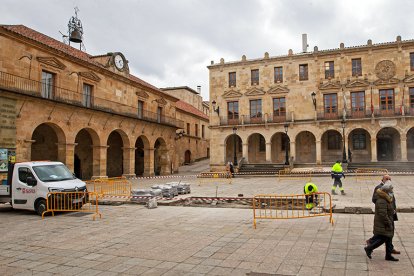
[337, 173]
[383, 223]
[311, 198]
[231, 169]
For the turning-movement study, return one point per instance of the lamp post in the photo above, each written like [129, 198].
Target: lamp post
[286, 145]
[217, 110]
[314, 99]
[234, 148]
[343, 138]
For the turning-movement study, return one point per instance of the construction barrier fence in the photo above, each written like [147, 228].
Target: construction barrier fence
[86, 202]
[116, 186]
[273, 206]
[214, 178]
[287, 173]
[369, 173]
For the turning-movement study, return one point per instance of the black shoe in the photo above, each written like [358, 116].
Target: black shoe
[391, 258]
[369, 252]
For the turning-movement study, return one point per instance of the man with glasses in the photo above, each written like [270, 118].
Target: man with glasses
[385, 178]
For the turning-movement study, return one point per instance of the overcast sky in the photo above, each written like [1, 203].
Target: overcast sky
[170, 43]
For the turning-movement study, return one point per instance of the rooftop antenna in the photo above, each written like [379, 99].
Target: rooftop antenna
[75, 29]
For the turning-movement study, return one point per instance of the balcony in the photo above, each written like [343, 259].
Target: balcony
[33, 88]
[329, 116]
[247, 120]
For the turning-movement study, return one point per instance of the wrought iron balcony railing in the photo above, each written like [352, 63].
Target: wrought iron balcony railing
[41, 90]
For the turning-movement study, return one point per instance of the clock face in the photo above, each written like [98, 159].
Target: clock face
[119, 62]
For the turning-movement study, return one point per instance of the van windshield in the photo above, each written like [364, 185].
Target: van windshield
[50, 173]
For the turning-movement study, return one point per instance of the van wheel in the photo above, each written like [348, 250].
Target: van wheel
[40, 207]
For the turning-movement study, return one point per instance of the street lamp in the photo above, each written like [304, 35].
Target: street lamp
[314, 99]
[286, 145]
[234, 142]
[213, 103]
[343, 138]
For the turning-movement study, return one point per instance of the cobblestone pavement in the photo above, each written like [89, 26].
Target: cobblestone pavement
[133, 240]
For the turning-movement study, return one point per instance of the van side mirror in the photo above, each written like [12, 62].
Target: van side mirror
[31, 181]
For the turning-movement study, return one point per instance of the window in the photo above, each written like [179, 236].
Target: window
[329, 70]
[24, 173]
[255, 108]
[232, 79]
[412, 61]
[278, 74]
[358, 103]
[303, 72]
[159, 114]
[140, 109]
[87, 95]
[262, 143]
[202, 131]
[334, 140]
[48, 82]
[279, 107]
[233, 112]
[196, 130]
[356, 67]
[359, 141]
[387, 100]
[412, 97]
[330, 104]
[188, 128]
[255, 76]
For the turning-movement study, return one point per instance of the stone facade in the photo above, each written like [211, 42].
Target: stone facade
[83, 110]
[194, 142]
[270, 103]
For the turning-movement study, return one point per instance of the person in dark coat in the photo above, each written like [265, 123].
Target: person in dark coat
[383, 223]
[386, 178]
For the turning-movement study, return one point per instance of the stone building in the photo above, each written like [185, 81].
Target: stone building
[306, 103]
[193, 141]
[60, 103]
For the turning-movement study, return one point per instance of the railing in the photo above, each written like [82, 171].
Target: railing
[247, 120]
[58, 94]
[329, 116]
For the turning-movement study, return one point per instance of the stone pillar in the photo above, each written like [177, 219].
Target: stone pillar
[318, 152]
[292, 151]
[67, 151]
[165, 162]
[374, 150]
[99, 161]
[269, 152]
[246, 152]
[129, 162]
[149, 162]
[404, 149]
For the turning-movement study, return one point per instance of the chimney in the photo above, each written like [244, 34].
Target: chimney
[305, 43]
[199, 89]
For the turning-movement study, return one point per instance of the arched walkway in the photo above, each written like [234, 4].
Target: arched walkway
[256, 148]
[331, 146]
[359, 144]
[83, 162]
[305, 147]
[410, 144]
[49, 143]
[161, 158]
[141, 159]
[230, 140]
[279, 142]
[388, 145]
[115, 159]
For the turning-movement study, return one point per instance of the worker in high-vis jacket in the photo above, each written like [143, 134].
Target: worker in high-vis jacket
[337, 173]
[311, 197]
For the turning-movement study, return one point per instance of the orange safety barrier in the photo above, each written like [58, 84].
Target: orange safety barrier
[291, 206]
[369, 173]
[300, 175]
[72, 202]
[215, 178]
[117, 186]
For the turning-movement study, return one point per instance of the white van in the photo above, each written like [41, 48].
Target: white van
[29, 182]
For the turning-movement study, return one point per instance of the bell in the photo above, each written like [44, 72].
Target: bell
[75, 36]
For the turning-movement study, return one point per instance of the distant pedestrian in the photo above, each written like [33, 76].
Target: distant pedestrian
[349, 155]
[231, 169]
[383, 222]
[337, 173]
[311, 197]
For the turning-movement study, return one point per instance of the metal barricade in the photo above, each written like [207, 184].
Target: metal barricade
[369, 173]
[117, 186]
[272, 206]
[287, 173]
[86, 202]
[214, 178]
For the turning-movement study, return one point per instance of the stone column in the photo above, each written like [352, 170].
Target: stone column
[374, 150]
[67, 151]
[246, 152]
[404, 149]
[165, 162]
[318, 152]
[99, 161]
[129, 162]
[268, 152]
[149, 162]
